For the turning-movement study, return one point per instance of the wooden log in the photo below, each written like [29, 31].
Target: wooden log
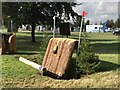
[47, 53]
[12, 44]
[65, 59]
[32, 64]
[5, 41]
[54, 64]
[3, 47]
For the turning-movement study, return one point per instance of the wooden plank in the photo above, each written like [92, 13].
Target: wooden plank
[55, 61]
[60, 67]
[47, 53]
[67, 57]
[50, 55]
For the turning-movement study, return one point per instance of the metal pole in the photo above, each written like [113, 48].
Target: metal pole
[54, 27]
[3, 26]
[2, 23]
[80, 34]
[11, 26]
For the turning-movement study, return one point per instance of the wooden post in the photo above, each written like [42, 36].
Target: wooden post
[0, 44]
[11, 26]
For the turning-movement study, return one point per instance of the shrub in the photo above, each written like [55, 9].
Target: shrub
[45, 41]
[87, 61]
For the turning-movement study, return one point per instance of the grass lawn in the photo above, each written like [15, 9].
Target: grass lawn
[17, 74]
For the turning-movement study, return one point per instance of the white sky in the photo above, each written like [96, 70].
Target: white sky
[98, 11]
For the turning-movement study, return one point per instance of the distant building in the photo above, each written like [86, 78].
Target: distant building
[94, 28]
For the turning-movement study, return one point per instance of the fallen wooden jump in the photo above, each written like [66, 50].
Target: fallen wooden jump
[57, 59]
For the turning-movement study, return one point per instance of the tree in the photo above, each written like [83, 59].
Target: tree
[110, 23]
[117, 23]
[77, 20]
[87, 22]
[36, 12]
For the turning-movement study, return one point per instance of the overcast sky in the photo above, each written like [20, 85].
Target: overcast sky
[98, 11]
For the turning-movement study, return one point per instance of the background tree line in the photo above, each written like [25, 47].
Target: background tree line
[109, 23]
[36, 13]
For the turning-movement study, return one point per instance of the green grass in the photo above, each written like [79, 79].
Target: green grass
[17, 74]
[11, 68]
[103, 43]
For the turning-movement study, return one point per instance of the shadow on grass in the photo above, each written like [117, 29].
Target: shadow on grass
[42, 33]
[104, 48]
[25, 53]
[20, 53]
[107, 66]
[97, 40]
[103, 67]
[25, 46]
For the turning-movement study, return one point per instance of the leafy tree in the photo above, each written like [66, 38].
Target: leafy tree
[101, 23]
[37, 12]
[117, 23]
[110, 23]
[87, 22]
[77, 20]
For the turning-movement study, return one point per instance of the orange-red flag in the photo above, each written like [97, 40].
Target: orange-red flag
[2, 17]
[84, 13]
